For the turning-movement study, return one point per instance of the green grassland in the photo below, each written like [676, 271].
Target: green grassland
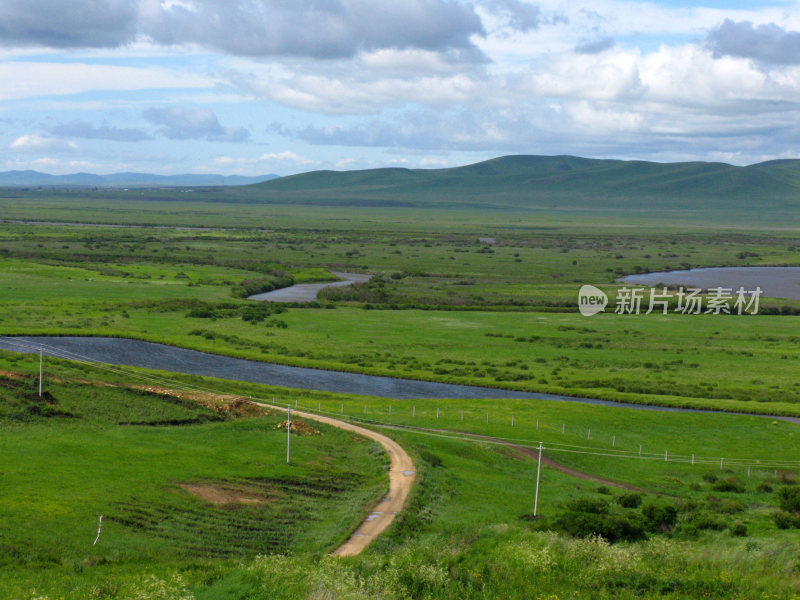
[442, 306]
[467, 532]
[521, 329]
[85, 451]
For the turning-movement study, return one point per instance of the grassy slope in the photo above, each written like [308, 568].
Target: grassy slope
[463, 536]
[60, 473]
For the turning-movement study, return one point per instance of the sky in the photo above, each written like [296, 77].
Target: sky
[254, 87]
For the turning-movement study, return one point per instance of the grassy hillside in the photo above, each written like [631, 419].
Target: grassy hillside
[546, 182]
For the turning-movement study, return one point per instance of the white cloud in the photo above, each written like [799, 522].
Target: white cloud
[37, 143]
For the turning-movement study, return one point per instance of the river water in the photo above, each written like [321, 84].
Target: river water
[136, 353]
[775, 282]
[307, 292]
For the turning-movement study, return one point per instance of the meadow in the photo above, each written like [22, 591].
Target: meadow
[444, 304]
[467, 532]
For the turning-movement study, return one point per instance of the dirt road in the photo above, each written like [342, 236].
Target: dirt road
[402, 473]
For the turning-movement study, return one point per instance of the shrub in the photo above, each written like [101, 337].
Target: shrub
[724, 505]
[789, 499]
[603, 490]
[764, 487]
[730, 484]
[785, 520]
[739, 529]
[705, 520]
[632, 500]
[250, 287]
[612, 528]
[660, 518]
[709, 477]
[595, 506]
[202, 312]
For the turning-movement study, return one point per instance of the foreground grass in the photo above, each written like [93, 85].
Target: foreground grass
[466, 534]
[89, 451]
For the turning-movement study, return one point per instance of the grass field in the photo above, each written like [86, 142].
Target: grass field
[444, 306]
[149, 463]
[467, 532]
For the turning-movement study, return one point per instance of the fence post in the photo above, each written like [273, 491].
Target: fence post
[288, 433]
[538, 476]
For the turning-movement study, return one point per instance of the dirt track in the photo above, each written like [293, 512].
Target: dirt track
[402, 473]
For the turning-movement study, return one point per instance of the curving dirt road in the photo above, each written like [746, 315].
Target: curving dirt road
[402, 473]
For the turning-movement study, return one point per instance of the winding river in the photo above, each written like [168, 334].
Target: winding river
[307, 292]
[136, 353]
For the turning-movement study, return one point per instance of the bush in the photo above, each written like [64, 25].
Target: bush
[785, 520]
[739, 529]
[632, 500]
[789, 499]
[595, 506]
[250, 287]
[709, 477]
[730, 484]
[705, 520]
[603, 490]
[612, 528]
[660, 518]
[202, 312]
[764, 487]
[724, 505]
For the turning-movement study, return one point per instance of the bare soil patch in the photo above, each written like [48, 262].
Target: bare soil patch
[225, 495]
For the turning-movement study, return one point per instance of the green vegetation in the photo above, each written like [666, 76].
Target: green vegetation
[479, 290]
[176, 479]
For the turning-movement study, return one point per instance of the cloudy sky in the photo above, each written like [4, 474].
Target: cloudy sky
[285, 86]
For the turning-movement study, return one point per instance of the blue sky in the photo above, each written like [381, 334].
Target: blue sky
[268, 86]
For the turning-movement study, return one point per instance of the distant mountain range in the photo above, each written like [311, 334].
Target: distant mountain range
[35, 178]
[546, 182]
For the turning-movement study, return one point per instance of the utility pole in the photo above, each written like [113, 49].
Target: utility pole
[40, 371]
[288, 434]
[538, 476]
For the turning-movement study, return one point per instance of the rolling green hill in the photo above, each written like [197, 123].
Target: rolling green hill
[514, 182]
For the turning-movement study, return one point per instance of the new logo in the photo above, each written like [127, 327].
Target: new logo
[591, 300]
